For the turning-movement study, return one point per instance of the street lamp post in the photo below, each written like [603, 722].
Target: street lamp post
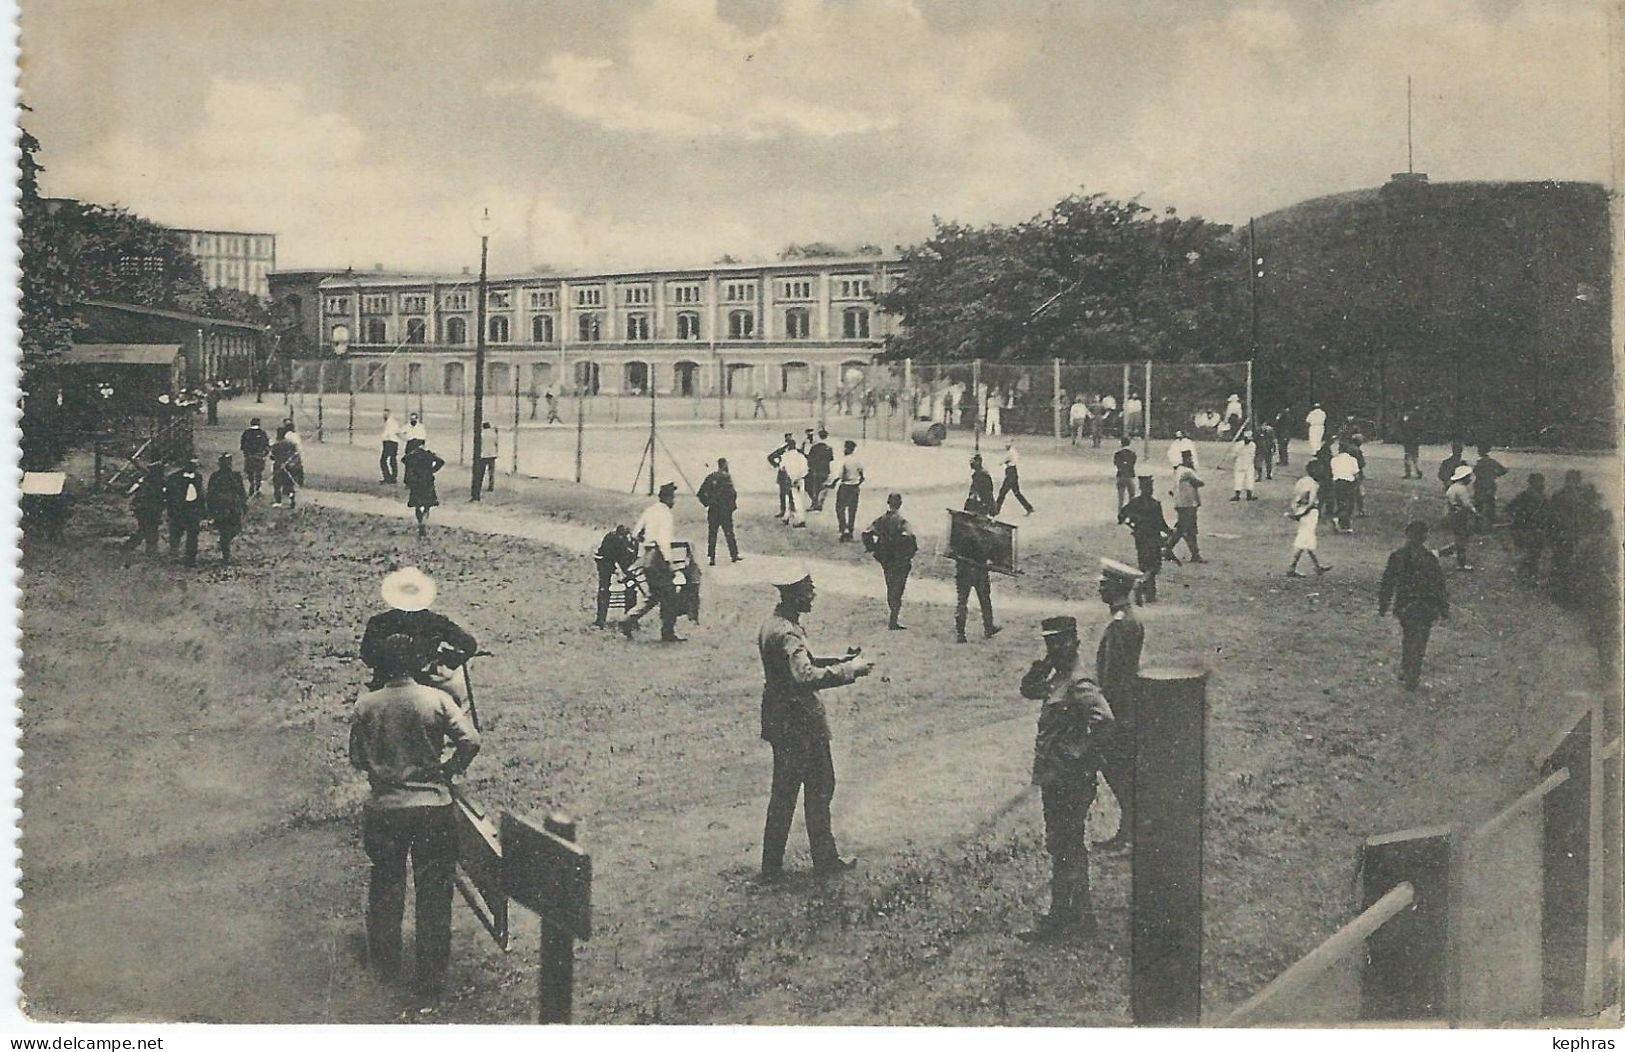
[484, 225]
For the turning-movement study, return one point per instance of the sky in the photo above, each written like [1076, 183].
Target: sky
[669, 132]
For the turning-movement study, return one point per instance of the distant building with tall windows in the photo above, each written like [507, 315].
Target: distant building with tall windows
[775, 329]
[233, 259]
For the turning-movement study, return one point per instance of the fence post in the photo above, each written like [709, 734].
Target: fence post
[722, 392]
[908, 385]
[514, 438]
[1055, 397]
[321, 389]
[462, 423]
[1407, 968]
[1145, 444]
[1170, 732]
[1252, 422]
[556, 952]
[1568, 894]
[581, 428]
[349, 423]
[1122, 406]
[976, 402]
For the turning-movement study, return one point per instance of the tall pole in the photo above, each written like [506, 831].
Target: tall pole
[1122, 407]
[479, 373]
[976, 395]
[513, 439]
[722, 385]
[1145, 440]
[1252, 423]
[581, 428]
[1055, 397]
[651, 429]
[1410, 161]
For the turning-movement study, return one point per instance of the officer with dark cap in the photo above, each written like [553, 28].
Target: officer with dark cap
[1066, 757]
[891, 541]
[186, 503]
[794, 724]
[970, 567]
[1117, 671]
[616, 551]
[227, 501]
[1149, 525]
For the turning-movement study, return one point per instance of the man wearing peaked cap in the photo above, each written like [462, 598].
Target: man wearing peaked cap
[1149, 524]
[1117, 671]
[794, 724]
[442, 643]
[227, 501]
[1071, 723]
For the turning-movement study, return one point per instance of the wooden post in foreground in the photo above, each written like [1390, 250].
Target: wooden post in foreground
[546, 871]
[1567, 934]
[1169, 797]
[1407, 969]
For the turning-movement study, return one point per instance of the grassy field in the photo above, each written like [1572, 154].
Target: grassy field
[191, 848]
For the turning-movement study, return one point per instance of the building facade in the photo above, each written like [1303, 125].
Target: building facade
[776, 329]
[233, 259]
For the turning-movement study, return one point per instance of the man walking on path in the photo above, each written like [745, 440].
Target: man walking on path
[795, 726]
[1345, 473]
[227, 503]
[970, 567]
[1487, 472]
[980, 498]
[720, 499]
[397, 734]
[552, 407]
[256, 446]
[1529, 525]
[1117, 672]
[1012, 481]
[1072, 723]
[147, 503]
[1461, 516]
[1124, 461]
[1305, 511]
[389, 464]
[1410, 442]
[1187, 502]
[1149, 526]
[186, 502]
[891, 541]
[1413, 585]
[1315, 421]
[848, 487]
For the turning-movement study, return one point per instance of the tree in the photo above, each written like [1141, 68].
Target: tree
[1092, 279]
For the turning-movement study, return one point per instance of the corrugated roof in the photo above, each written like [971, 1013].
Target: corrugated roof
[174, 315]
[121, 354]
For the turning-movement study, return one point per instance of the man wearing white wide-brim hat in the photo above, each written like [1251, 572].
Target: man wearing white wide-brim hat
[1461, 515]
[443, 644]
[794, 724]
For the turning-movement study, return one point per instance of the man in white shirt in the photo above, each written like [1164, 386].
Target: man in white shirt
[794, 465]
[415, 429]
[389, 465]
[848, 485]
[1345, 470]
[1133, 414]
[1077, 418]
[654, 530]
[1316, 422]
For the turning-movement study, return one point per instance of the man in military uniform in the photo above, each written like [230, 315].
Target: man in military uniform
[891, 541]
[616, 550]
[443, 645]
[1117, 671]
[185, 502]
[227, 503]
[720, 500]
[970, 566]
[794, 724]
[1149, 525]
[1413, 585]
[1074, 717]
[256, 446]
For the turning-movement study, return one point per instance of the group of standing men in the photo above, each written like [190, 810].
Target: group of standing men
[807, 470]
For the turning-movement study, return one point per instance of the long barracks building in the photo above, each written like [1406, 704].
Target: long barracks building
[773, 329]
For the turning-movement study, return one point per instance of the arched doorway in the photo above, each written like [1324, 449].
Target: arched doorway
[741, 378]
[587, 377]
[635, 378]
[452, 378]
[797, 380]
[686, 378]
[497, 378]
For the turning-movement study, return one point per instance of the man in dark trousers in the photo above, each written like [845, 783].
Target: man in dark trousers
[617, 550]
[1413, 585]
[1283, 434]
[970, 567]
[1409, 437]
[397, 733]
[227, 502]
[488, 456]
[1124, 460]
[794, 724]
[1074, 720]
[1117, 672]
[848, 487]
[720, 499]
[1565, 526]
[1487, 472]
[891, 541]
[442, 642]
[819, 458]
[786, 496]
[1187, 503]
[1264, 452]
[256, 446]
[1149, 525]
[185, 500]
[1447, 469]
[147, 503]
[1528, 514]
